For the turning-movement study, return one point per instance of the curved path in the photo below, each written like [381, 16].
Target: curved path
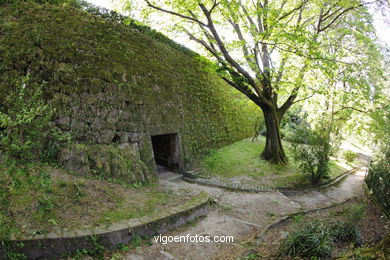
[243, 215]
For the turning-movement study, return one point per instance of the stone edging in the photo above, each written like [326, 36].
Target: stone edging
[303, 212]
[321, 186]
[288, 217]
[233, 187]
[55, 245]
[258, 188]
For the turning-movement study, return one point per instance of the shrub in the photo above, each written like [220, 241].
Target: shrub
[291, 123]
[349, 156]
[345, 231]
[25, 131]
[378, 179]
[314, 239]
[312, 153]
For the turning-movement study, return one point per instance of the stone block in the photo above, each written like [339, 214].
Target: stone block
[108, 161]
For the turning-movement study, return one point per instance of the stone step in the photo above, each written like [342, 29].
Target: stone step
[169, 176]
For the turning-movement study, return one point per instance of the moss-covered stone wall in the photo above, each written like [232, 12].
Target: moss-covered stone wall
[113, 85]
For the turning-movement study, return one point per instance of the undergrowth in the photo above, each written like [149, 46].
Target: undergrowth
[315, 239]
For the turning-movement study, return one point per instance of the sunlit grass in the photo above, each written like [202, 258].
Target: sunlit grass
[243, 159]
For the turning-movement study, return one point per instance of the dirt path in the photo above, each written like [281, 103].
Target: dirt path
[242, 215]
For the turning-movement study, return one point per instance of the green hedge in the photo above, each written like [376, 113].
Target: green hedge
[378, 180]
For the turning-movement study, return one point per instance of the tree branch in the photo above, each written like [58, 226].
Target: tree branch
[280, 72]
[357, 109]
[174, 13]
[245, 90]
[324, 17]
[294, 93]
[245, 51]
[227, 56]
[293, 10]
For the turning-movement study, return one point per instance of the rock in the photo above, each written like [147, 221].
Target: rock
[284, 234]
[63, 122]
[108, 161]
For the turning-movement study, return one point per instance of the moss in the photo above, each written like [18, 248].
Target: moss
[379, 251]
[107, 162]
[86, 54]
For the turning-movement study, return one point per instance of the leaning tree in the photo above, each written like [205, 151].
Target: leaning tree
[266, 48]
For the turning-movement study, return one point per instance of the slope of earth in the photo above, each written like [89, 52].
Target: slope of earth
[43, 199]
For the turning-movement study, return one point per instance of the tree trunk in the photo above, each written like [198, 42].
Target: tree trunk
[273, 151]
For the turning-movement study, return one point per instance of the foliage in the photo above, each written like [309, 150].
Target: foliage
[116, 17]
[349, 156]
[56, 2]
[11, 250]
[25, 130]
[242, 159]
[345, 231]
[308, 39]
[378, 179]
[312, 153]
[380, 251]
[37, 199]
[355, 213]
[97, 252]
[315, 239]
[294, 119]
[213, 115]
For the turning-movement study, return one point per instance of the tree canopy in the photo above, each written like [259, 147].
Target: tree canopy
[274, 50]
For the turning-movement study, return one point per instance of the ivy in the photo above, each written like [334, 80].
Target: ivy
[24, 123]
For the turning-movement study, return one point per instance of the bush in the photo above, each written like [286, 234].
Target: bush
[349, 156]
[345, 231]
[314, 239]
[312, 155]
[378, 179]
[25, 131]
[291, 123]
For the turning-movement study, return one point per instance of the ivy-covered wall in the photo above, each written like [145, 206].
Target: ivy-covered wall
[113, 85]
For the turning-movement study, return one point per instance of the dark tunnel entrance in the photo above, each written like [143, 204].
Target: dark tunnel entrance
[166, 151]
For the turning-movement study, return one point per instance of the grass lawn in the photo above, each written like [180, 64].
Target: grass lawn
[241, 161]
[41, 199]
